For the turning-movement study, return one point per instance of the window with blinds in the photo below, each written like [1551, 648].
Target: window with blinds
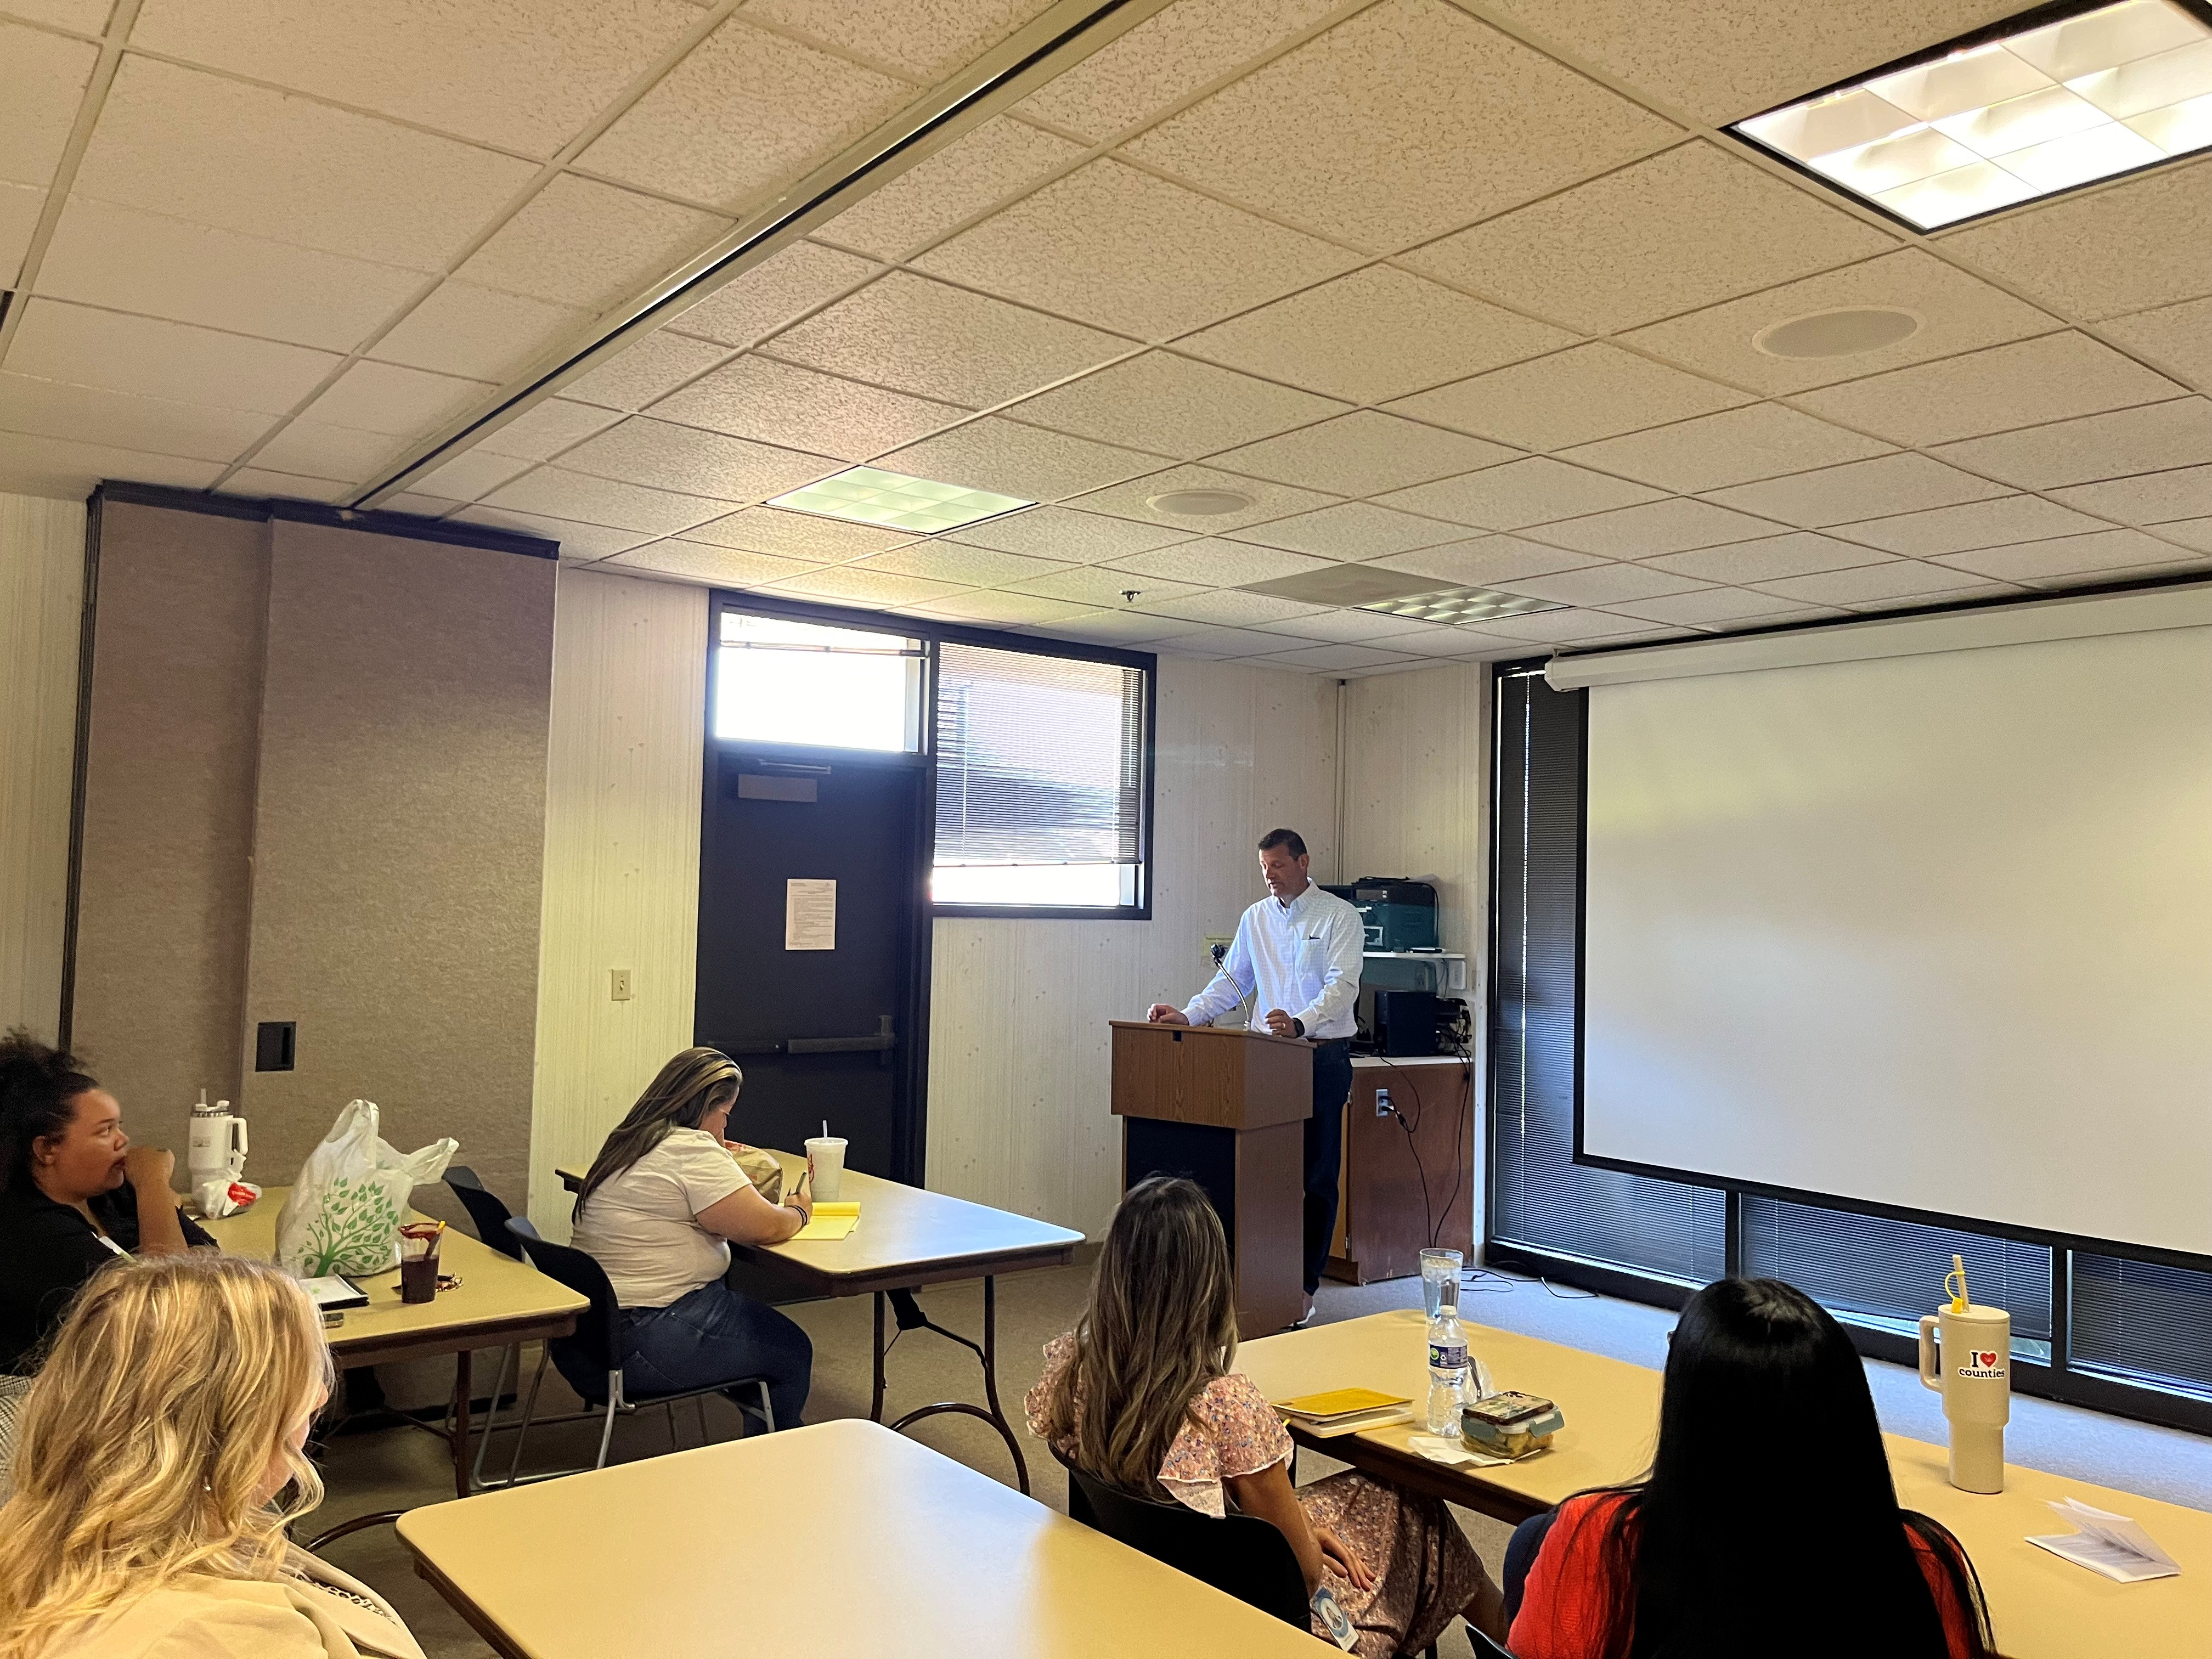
[1040, 784]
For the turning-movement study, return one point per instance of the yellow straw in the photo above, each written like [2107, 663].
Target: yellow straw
[1958, 1272]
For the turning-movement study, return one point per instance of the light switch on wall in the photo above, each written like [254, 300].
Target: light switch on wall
[618, 984]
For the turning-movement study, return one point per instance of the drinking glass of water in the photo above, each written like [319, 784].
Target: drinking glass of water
[1438, 1268]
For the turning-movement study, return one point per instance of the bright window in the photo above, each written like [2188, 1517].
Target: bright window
[825, 688]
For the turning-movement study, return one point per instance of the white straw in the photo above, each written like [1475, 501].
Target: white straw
[825, 1128]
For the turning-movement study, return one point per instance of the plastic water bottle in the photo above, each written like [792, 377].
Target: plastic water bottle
[1448, 1378]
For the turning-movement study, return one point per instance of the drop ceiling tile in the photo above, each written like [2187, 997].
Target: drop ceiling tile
[67, 471]
[127, 260]
[417, 506]
[645, 372]
[1015, 460]
[720, 566]
[2068, 556]
[1174, 406]
[578, 242]
[404, 402]
[145, 357]
[2154, 498]
[1685, 229]
[1230, 608]
[1601, 584]
[557, 492]
[1520, 493]
[44, 78]
[1376, 334]
[2114, 445]
[802, 535]
[1769, 558]
[1103, 586]
[1353, 530]
[778, 403]
[1734, 446]
[1059, 533]
[1837, 495]
[1471, 644]
[83, 16]
[1486, 561]
[1220, 644]
[1109, 627]
[1354, 627]
[755, 303]
[998, 160]
[1325, 658]
[1897, 579]
[1001, 606]
[20, 207]
[523, 78]
[472, 474]
[1669, 527]
[1363, 453]
[247, 159]
[1594, 391]
[1956, 312]
[1269, 501]
[878, 588]
[462, 329]
[2104, 254]
[1132, 253]
[163, 426]
[578, 541]
[1966, 590]
[2194, 533]
[1566, 626]
[1976, 524]
[924, 39]
[2177, 338]
[665, 456]
[541, 433]
[2031, 382]
[315, 449]
[1169, 56]
[261, 485]
[1710, 606]
[1399, 124]
[914, 335]
[744, 113]
[1213, 562]
[1722, 60]
[953, 562]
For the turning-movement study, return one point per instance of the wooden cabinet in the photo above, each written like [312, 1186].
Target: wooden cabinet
[1407, 1178]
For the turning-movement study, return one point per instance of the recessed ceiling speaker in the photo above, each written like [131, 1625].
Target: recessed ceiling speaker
[1199, 503]
[1838, 333]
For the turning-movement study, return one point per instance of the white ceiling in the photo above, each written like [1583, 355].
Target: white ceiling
[1466, 290]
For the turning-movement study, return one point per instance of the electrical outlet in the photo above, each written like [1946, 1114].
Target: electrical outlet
[618, 984]
[1382, 1108]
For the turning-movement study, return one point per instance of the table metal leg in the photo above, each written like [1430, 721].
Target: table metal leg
[461, 1389]
[988, 1353]
[876, 1409]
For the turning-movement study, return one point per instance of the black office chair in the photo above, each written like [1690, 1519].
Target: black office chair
[1483, 1646]
[489, 1215]
[1240, 1555]
[592, 1359]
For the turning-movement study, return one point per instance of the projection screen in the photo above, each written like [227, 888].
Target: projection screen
[1931, 930]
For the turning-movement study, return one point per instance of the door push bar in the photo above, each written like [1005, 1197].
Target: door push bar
[881, 1043]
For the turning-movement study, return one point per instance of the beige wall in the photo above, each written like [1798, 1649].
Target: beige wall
[1018, 1054]
[621, 860]
[41, 607]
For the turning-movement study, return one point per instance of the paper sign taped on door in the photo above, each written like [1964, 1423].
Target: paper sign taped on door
[809, 915]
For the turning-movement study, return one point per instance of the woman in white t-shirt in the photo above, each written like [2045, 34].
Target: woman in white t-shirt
[657, 1210]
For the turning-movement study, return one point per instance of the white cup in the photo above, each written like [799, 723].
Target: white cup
[827, 1154]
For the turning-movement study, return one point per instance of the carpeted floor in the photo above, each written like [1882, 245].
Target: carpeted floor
[398, 1468]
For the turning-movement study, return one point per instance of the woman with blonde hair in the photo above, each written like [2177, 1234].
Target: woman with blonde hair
[160, 1462]
[659, 1210]
[1141, 1395]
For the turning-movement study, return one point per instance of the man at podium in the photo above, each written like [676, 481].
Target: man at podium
[1296, 953]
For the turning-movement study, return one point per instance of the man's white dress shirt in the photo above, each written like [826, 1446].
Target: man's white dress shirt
[1301, 957]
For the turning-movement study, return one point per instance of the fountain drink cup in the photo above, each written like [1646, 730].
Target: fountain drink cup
[826, 1155]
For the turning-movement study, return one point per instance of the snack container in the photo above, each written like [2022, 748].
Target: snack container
[1517, 1437]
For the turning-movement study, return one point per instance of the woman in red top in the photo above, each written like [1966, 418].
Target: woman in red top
[1768, 1525]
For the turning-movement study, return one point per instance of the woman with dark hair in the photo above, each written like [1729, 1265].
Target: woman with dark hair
[1768, 1523]
[75, 1193]
[1140, 1395]
[657, 1210]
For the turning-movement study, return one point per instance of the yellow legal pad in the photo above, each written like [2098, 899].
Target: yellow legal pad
[831, 1222]
[1340, 1402]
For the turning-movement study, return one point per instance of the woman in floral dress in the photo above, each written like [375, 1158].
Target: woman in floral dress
[1140, 1395]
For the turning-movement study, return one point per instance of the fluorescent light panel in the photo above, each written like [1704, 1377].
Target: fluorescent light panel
[866, 495]
[2006, 121]
[1462, 604]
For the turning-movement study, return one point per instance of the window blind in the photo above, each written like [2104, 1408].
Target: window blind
[2141, 1321]
[1040, 760]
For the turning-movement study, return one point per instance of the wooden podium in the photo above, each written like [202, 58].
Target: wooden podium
[1224, 1107]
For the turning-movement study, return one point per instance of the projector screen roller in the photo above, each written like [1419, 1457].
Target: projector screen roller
[1931, 931]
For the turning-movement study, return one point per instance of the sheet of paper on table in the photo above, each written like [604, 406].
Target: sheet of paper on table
[832, 1221]
[2110, 1544]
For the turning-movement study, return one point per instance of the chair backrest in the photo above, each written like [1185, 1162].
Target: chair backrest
[597, 1341]
[1240, 1555]
[1484, 1647]
[14, 1392]
[486, 1212]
